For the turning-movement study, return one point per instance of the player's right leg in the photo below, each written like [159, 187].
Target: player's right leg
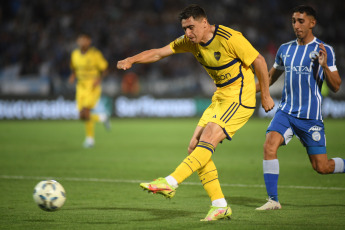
[160, 186]
[271, 170]
[89, 141]
[210, 137]
[278, 133]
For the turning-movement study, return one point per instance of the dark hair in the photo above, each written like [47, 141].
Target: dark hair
[84, 34]
[305, 9]
[194, 11]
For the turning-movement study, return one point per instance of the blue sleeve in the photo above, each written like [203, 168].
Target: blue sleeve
[330, 55]
[278, 62]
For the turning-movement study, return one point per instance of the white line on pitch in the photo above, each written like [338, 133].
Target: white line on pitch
[138, 181]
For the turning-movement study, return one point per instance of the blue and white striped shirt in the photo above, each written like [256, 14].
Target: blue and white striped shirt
[304, 76]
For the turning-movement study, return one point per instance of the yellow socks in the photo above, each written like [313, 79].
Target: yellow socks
[196, 160]
[90, 128]
[90, 124]
[94, 117]
[209, 178]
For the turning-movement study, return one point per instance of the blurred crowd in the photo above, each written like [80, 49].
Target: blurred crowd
[37, 37]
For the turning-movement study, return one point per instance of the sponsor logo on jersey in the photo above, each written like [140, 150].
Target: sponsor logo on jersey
[226, 76]
[217, 55]
[299, 69]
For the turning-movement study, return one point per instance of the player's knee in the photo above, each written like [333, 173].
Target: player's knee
[269, 151]
[192, 145]
[322, 169]
[82, 116]
[190, 149]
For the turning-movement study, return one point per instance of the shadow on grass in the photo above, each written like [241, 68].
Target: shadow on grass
[245, 201]
[312, 205]
[154, 213]
[40, 220]
[256, 202]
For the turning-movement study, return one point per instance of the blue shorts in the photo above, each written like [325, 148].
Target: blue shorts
[310, 132]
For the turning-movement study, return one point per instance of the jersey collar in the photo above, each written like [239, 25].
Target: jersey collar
[307, 43]
[214, 34]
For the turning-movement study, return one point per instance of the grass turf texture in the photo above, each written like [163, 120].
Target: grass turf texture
[143, 149]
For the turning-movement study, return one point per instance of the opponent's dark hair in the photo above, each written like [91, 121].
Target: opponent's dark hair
[194, 11]
[305, 9]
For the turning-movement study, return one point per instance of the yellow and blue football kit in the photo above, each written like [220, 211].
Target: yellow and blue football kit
[88, 67]
[227, 58]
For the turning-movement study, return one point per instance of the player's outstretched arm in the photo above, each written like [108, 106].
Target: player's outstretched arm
[273, 76]
[261, 71]
[144, 57]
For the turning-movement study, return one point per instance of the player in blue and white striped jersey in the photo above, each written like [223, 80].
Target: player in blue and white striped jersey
[307, 62]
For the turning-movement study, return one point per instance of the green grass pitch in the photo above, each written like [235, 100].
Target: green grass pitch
[102, 183]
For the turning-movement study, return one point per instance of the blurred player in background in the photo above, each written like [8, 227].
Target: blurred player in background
[89, 67]
[307, 62]
[227, 56]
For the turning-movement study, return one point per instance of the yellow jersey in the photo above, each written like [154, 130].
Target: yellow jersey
[227, 58]
[89, 65]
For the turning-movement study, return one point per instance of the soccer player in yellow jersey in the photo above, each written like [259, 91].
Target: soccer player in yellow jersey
[89, 68]
[227, 56]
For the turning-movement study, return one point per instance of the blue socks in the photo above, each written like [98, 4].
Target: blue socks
[271, 182]
[271, 174]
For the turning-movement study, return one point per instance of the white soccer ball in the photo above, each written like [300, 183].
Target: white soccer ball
[49, 195]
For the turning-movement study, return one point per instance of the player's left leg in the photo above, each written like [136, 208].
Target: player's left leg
[92, 100]
[208, 174]
[312, 135]
[323, 165]
[209, 178]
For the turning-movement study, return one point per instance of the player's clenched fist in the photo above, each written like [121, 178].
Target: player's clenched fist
[267, 104]
[124, 64]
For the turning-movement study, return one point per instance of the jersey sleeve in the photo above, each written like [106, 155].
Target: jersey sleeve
[101, 62]
[330, 58]
[278, 62]
[242, 48]
[181, 45]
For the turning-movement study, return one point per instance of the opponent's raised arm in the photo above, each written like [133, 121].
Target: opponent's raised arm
[332, 77]
[144, 57]
[261, 71]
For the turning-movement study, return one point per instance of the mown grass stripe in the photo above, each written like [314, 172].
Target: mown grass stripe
[140, 181]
